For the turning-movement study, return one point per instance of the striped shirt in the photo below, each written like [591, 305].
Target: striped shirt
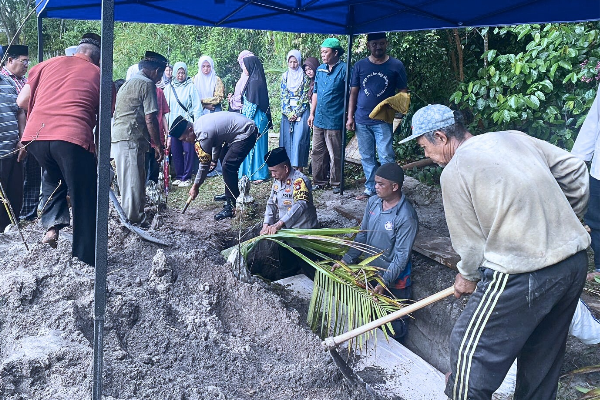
[20, 82]
[9, 128]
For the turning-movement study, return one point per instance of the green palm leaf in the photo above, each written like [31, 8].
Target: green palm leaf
[342, 298]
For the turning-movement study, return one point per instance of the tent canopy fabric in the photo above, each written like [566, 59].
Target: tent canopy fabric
[330, 16]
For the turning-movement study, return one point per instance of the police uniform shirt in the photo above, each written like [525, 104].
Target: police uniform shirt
[291, 201]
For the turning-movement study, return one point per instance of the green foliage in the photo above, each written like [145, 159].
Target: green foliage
[342, 299]
[545, 89]
[429, 175]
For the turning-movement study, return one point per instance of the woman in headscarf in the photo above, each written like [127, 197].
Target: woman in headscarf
[294, 133]
[256, 107]
[166, 78]
[183, 99]
[310, 69]
[209, 85]
[235, 99]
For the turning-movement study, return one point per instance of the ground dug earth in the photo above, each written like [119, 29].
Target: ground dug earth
[178, 324]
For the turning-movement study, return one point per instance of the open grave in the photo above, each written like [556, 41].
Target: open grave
[181, 326]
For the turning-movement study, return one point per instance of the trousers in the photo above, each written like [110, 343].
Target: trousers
[523, 316]
[11, 177]
[130, 160]
[326, 156]
[69, 169]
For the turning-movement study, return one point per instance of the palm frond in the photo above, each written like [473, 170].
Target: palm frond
[342, 298]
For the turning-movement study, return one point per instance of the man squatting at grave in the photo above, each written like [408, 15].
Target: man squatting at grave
[225, 136]
[512, 204]
[390, 223]
[290, 205]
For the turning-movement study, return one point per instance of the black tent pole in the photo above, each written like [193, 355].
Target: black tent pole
[346, 94]
[40, 38]
[101, 257]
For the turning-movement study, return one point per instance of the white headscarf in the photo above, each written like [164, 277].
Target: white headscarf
[134, 69]
[294, 77]
[206, 83]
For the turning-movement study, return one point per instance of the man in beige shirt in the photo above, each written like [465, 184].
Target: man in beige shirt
[512, 204]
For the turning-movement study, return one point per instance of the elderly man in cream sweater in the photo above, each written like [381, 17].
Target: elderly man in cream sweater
[512, 204]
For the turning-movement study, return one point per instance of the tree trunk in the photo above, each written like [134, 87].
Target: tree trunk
[459, 51]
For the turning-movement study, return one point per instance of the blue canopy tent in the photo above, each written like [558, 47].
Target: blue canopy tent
[346, 17]
[330, 16]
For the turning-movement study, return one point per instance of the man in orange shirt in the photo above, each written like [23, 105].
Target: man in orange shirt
[62, 99]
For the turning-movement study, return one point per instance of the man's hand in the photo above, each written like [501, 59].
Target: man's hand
[194, 191]
[271, 229]
[263, 231]
[378, 289]
[463, 286]
[293, 118]
[22, 152]
[350, 125]
[159, 153]
[311, 119]
[210, 107]
[168, 146]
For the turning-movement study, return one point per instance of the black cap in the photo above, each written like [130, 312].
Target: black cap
[152, 56]
[16, 50]
[178, 127]
[392, 172]
[376, 36]
[91, 38]
[276, 157]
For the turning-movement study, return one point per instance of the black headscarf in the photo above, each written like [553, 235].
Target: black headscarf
[256, 88]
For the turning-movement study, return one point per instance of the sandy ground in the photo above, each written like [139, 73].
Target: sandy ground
[179, 325]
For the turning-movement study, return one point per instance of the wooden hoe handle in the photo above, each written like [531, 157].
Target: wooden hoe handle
[187, 204]
[333, 342]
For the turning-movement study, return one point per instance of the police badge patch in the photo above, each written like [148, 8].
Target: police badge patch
[300, 190]
[389, 226]
[203, 156]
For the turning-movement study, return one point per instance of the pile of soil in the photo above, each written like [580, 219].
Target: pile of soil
[178, 324]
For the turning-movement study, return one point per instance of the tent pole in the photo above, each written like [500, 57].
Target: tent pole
[40, 38]
[346, 94]
[101, 257]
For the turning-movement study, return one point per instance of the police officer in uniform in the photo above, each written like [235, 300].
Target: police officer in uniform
[224, 136]
[290, 204]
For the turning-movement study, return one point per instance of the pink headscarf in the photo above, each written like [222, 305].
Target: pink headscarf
[236, 100]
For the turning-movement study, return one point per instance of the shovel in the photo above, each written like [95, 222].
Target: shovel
[331, 343]
[187, 204]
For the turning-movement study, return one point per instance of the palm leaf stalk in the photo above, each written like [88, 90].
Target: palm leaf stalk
[342, 298]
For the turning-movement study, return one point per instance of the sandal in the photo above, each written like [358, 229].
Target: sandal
[51, 238]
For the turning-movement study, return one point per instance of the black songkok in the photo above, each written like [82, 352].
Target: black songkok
[376, 36]
[276, 157]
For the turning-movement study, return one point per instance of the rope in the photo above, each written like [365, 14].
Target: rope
[25, 146]
[11, 214]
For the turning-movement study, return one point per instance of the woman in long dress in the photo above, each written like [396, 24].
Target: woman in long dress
[183, 99]
[209, 85]
[294, 133]
[256, 107]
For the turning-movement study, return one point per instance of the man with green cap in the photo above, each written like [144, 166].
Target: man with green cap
[327, 116]
[390, 224]
[512, 204]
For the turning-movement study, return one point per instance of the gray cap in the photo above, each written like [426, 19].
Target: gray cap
[430, 118]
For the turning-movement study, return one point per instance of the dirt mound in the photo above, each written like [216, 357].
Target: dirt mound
[178, 324]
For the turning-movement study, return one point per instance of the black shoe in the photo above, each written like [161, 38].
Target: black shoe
[226, 212]
[220, 197]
